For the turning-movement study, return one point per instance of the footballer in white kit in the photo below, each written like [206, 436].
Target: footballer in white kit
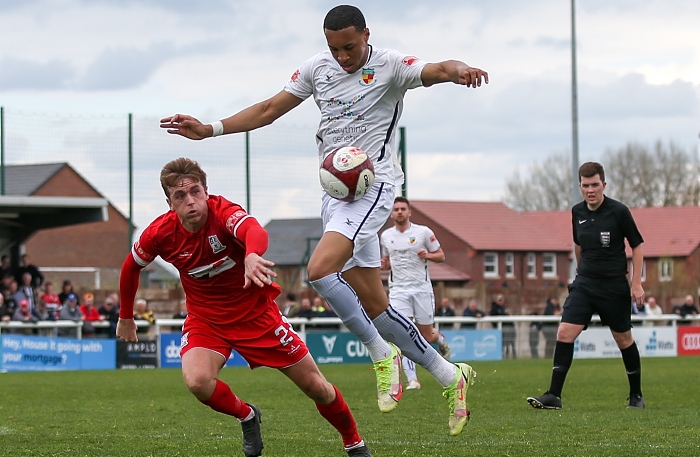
[360, 109]
[410, 289]
[406, 250]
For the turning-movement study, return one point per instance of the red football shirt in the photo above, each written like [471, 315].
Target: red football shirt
[210, 262]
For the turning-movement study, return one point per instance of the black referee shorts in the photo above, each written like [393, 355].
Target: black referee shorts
[610, 298]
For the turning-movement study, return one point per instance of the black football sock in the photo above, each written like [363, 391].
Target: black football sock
[633, 365]
[563, 356]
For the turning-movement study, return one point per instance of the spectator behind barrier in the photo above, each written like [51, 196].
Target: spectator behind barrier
[141, 312]
[90, 314]
[70, 312]
[53, 302]
[110, 313]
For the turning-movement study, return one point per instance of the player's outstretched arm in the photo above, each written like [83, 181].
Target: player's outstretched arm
[255, 116]
[126, 330]
[128, 285]
[257, 270]
[255, 240]
[453, 71]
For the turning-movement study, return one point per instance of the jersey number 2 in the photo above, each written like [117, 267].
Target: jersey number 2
[283, 332]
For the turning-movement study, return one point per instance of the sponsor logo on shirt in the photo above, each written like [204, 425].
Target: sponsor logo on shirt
[295, 76]
[215, 244]
[213, 269]
[409, 60]
[367, 76]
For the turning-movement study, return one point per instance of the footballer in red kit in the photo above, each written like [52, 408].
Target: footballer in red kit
[217, 247]
[212, 271]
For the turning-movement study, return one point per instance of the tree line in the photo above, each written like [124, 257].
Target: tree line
[637, 175]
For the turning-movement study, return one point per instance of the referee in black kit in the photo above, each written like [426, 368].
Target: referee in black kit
[600, 227]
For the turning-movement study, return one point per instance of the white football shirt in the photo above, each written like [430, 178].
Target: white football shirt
[360, 109]
[408, 271]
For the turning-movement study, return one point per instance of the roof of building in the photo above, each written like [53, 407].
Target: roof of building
[672, 231]
[291, 238]
[444, 272]
[26, 179]
[439, 272]
[491, 226]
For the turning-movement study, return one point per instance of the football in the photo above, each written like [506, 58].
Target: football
[347, 174]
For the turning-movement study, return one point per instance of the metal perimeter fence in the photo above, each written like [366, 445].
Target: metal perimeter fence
[272, 172]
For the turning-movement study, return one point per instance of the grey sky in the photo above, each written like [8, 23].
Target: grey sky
[639, 72]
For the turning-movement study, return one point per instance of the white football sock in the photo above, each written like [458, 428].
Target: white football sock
[409, 367]
[343, 300]
[400, 330]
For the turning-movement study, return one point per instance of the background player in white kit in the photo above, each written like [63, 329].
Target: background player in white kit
[406, 250]
[359, 91]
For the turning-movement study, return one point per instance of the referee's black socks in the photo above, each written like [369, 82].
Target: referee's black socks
[563, 356]
[633, 365]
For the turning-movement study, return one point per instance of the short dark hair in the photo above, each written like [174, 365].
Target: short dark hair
[402, 199]
[344, 16]
[590, 169]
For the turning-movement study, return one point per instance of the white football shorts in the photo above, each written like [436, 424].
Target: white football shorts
[420, 306]
[360, 221]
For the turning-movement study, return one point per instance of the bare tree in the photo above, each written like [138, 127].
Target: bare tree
[546, 186]
[638, 175]
[630, 173]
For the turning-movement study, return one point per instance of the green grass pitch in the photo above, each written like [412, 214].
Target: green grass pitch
[150, 413]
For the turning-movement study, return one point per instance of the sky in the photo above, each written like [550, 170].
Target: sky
[638, 74]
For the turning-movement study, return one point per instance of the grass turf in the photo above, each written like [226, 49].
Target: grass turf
[150, 413]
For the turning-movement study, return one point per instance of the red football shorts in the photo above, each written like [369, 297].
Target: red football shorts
[266, 341]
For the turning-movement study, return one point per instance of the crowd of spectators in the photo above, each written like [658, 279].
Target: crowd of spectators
[308, 308]
[26, 297]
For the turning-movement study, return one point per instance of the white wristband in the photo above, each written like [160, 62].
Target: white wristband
[217, 127]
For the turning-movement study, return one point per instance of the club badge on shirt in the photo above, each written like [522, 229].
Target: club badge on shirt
[605, 239]
[215, 244]
[367, 76]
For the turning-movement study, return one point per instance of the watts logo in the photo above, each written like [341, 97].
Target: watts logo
[367, 76]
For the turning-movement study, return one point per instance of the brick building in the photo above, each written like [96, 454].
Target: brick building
[99, 245]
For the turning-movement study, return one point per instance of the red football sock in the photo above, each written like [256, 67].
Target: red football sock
[225, 401]
[338, 414]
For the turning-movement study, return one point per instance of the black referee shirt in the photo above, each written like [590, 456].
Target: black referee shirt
[601, 235]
